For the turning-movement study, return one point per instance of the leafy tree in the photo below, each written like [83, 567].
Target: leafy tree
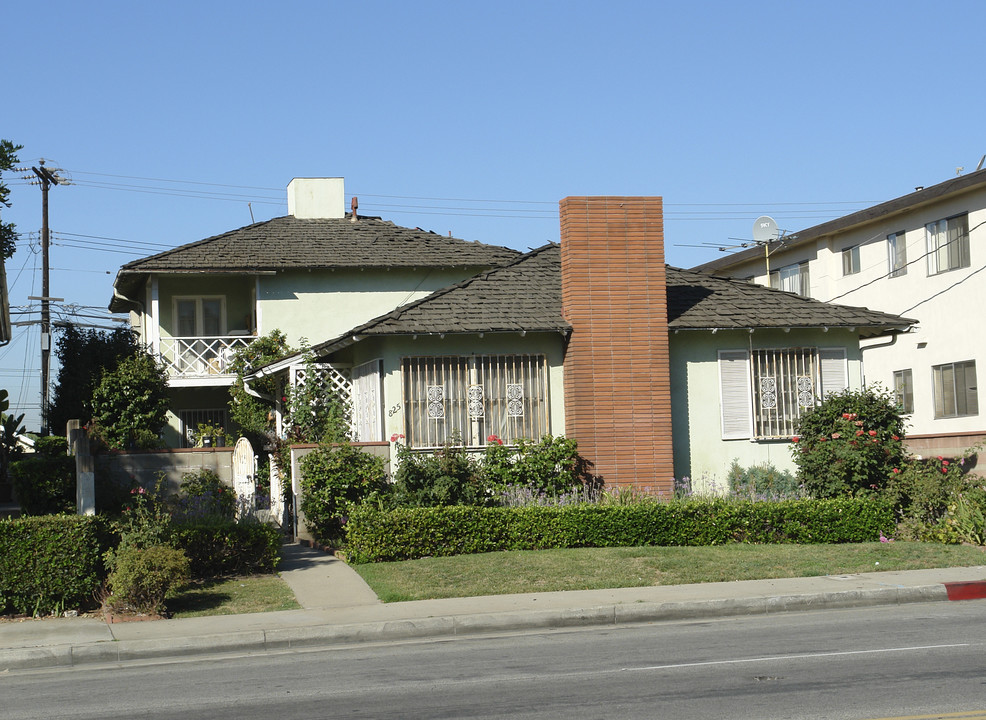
[8, 236]
[84, 355]
[252, 415]
[130, 404]
[851, 443]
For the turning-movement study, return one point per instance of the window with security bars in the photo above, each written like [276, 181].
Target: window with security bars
[470, 398]
[764, 393]
[189, 421]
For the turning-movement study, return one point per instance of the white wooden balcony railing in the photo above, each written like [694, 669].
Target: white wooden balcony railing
[200, 356]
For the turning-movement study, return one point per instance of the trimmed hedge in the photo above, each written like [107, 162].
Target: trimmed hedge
[51, 563]
[44, 485]
[407, 533]
[221, 549]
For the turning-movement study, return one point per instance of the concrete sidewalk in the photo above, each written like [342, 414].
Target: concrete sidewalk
[338, 608]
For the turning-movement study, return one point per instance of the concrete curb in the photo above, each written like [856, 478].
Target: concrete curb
[293, 638]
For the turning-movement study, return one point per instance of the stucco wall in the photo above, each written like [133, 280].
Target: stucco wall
[700, 453]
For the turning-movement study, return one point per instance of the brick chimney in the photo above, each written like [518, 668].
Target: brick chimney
[617, 365]
[310, 198]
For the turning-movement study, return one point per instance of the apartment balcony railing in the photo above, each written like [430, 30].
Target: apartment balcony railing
[200, 356]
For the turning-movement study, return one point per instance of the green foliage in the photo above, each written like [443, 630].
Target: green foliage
[51, 446]
[10, 428]
[850, 443]
[551, 466]
[966, 516]
[145, 522]
[8, 233]
[218, 549]
[314, 412]
[762, 482]
[375, 535]
[130, 404]
[204, 497]
[921, 490]
[143, 576]
[44, 485]
[83, 356]
[333, 478]
[253, 416]
[448, 476]
[48, 564]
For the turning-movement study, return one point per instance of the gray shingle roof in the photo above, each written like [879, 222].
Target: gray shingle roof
[697, 301]
[286, 243]
[526, 295]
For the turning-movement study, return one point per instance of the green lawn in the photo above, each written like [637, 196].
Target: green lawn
[599, 568]
[232, 596]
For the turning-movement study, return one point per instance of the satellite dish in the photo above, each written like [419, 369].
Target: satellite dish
[765, 229]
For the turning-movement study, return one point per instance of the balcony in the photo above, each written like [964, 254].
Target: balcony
[200, 358]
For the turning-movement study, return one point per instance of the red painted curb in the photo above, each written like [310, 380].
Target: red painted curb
[972, 590]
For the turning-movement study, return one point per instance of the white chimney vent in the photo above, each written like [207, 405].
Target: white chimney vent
[317, 198]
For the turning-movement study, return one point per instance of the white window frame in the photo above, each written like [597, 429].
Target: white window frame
[472, 397]
[792, 278]
[897, 253]
[964, 400]
[904, 390]
[948, 244]
[760, 395]
[850, 260]
[199, 315]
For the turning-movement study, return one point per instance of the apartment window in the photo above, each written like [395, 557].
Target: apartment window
[850, 260]
[897, 254]
[470, 398]
[904, 390]
[200, 316]
[956, 394]
[948, 244]
[763, 393]
[792, 278]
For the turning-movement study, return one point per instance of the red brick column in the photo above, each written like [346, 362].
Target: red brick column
[617, 365]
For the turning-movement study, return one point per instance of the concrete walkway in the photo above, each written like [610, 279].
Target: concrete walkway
[339, 608]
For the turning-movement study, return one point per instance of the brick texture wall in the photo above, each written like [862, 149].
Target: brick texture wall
[617, 365]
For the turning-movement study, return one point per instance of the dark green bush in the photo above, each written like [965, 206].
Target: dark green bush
[44, 485]
[51, 446]
[447, 476]
[229, 548]
[143, 576]
[51, 563]
[374, 535]
[551, 466]
[850, 443]
[333, 477]
[203, 496]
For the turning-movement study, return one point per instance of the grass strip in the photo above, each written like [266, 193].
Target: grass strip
[232, 596]
[601, 568]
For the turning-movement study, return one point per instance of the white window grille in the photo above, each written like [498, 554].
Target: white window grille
[764, 392]
[474, 397]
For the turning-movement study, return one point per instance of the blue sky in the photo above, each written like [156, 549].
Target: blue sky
[474, 118]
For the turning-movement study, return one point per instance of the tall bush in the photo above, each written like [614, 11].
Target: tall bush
[850, 443]
[333, 477]
[130, 404]
[44, 485]
[550, 466]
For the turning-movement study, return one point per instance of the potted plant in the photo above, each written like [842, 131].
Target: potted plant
[210, 435]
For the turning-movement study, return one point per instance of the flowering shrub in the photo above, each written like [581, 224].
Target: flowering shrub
[921, 490]
[447, 476]
[551, 466]
[850, 443]
[966, 515]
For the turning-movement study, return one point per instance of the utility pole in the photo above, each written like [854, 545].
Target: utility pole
[46, 179]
